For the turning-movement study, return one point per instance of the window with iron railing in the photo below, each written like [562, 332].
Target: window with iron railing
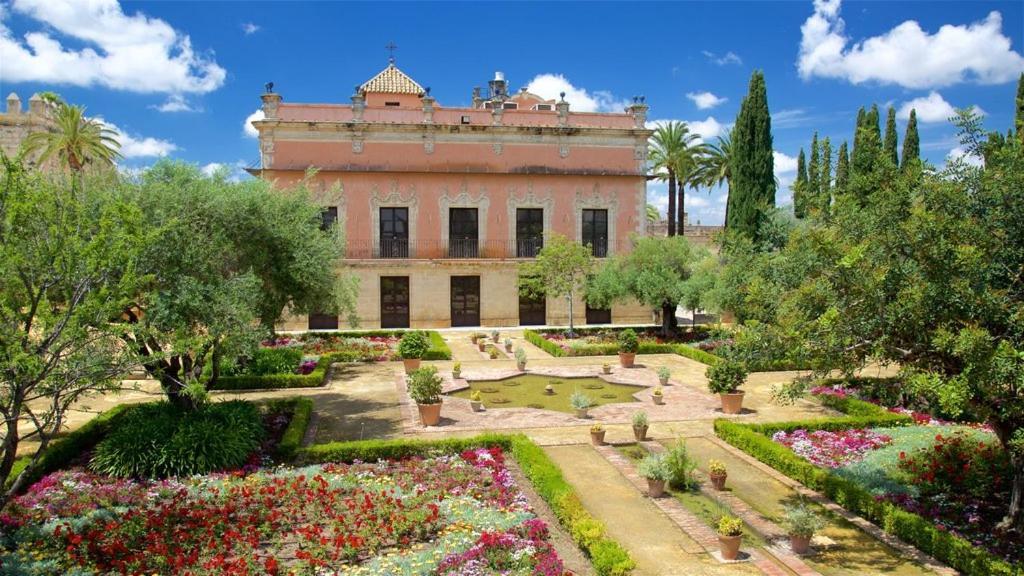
[463, 235]
[595, 231]
[529, 232]
[394, 233]
[328, 216]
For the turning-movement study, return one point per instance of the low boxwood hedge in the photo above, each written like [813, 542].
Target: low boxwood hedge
[692, 353]
[439, 349]
[911, 528]
[291, 440]
[607, 556]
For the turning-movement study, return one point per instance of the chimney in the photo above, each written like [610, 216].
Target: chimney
[498, 86]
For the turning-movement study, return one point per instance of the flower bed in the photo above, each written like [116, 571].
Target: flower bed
[451, 514]
[604, 341]
[831, 449]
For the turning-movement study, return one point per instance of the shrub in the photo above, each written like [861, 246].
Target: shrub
[628, 341]
[265, 361]
[520, 355]
[544, 344]
[716, 467]
[413, 345]
[425, 385]
[800, 520]
[664, 373]
[654, 467]
[957, 467]
[580, 401]
[730, 526]
[159, 440]
[726, 377]
[698, 355]
[681, 466]
[640, 419]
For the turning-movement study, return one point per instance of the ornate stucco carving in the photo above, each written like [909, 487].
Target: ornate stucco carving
[598, 199]
[529, 199]
[463, 199]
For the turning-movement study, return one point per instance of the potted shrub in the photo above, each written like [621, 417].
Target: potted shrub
[412, 347]
[521, 359]
[494, 335]
[655, 469]
[640, 425]
[717, 473]
[663, 375]
[724, 379]
[508, 344]
[801, 523]
[580, 402]
[606, 368]
[425, 390]
[730, 536]
[475, 336]
[628, 345]
[476, 401]
[457, 370]
[493, 353]
[658, 396]
[481, 344]
[597, 435]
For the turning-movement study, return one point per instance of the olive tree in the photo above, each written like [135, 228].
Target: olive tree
[559, 271]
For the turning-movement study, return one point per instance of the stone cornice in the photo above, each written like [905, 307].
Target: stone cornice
[294, 127]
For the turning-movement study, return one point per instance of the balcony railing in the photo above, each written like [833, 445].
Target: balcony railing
[456, 249]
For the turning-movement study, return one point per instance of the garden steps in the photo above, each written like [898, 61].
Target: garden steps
[762, 492]
[652, 539]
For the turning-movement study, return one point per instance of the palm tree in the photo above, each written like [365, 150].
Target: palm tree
[715, 168]
[75, 139]
[675, 160]
[652, 214]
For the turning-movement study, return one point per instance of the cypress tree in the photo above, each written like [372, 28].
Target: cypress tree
[813, 171]
[872, 122]
[891, 148]
[753, 179]
[800, 187]
[867, 144]
[861, 115]
[842, 169]
[911, 143]
[1019, 118]
[824, 200]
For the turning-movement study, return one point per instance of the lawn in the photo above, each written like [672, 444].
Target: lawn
[528, 391]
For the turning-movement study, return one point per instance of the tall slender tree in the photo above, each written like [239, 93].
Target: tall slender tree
[911, 143]
[672, 155]
[814, 171]
[752, 191]
[1019, 116]
[824, 200]
[867, 144]
[842, 169]
[861, 117]
[800, 186]
[891, 148]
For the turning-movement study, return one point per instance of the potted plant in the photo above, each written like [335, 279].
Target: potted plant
[730, 536]
[494, 335]
[606, 368]
[476, 401]
[493, 353]
[658, 396]
[640, 425]
[521, 359]
[597, 435]
[457, 370]
[717, 473]
[475, 336]
[663, 375]
[481, 344]
[801, 523]
[508, 344]
[580, 402]
[724, 379]
[655, 469]
[425, 390]
[628, 346]
[412, 347]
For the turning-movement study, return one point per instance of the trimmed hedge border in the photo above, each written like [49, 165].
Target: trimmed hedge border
[907, 526]
[607, 556]
[696, 354]
[611, 349]
[291, 439]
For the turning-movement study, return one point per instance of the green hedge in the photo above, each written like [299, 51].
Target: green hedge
[291, 440]
[539, 341]
[439, 349]
[607, 556]
[609, 349]
[911, 528]
[692, 353]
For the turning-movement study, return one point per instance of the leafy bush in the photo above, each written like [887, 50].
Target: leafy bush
[520, 355]
[628, 341]
[640, 419]
[726, 377]
[654, 467]
[957, 467]
[158, 440]
[425, 385]
[413, 345]
[730, 526]
[681, 466]
[580, 401]
[274, 361]
[800, 520]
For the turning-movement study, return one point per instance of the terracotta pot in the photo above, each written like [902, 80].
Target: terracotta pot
[580, 413]
[718, 481]
[456, 375]
[430, 414]
[481, 344]
[606, 369]
[799, 544]
[655, 488]
[659, 400]
[732, 403]
[640, 433]
[597, 438]
[508, 347]
[730, 546]
[411, 364]
[663, 381]
[521, 366]
[626, 359]
[496, 336]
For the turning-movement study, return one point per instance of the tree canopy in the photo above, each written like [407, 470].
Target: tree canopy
[560, 270]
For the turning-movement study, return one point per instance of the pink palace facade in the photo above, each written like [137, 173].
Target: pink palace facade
[441, 206]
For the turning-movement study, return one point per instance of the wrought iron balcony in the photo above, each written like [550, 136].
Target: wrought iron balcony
[383, 249]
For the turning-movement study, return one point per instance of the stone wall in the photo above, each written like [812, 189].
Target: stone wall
[17, 123]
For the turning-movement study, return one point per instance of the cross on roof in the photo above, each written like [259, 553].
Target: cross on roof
[391, 47]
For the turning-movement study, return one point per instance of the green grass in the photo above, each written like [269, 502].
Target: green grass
[528, 391]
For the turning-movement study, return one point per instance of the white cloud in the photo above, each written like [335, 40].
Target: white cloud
[783, 163]
[930, 108]
[707, 129]
[705, 100]
[725, 60]
[907, 55]
[135, 146]
[175, 103]
[233, 172]
[550, 86]
[247, 128]
[958, 153]
[108, 48]
[249, 28]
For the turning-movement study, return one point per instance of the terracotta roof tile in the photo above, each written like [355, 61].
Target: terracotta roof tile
[393, 81]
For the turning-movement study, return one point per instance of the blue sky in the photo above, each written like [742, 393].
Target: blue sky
[179, 78]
